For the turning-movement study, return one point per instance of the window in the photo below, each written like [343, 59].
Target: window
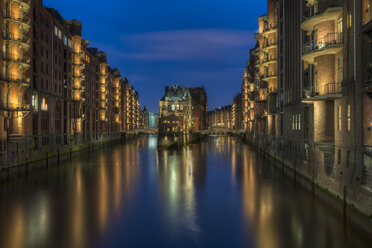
[348, 117]
[173, 107]
[299, 121]
[339, 25]
[316, 78]
[340, 62]
[370, 117]
[44, 105]
[65, 40]
[339, 156]
[34, 103]
[349, 21]
[339, 117]
[5, 99]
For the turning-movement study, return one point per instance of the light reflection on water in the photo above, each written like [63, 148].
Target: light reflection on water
[218, 193]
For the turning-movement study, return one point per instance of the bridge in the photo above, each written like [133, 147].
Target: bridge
[220, 131]
[140, 131]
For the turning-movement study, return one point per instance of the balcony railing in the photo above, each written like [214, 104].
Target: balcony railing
[270, 26]
[22, 2]
[24, 39]
[16, 107]
[13, 78]
[11, 16]
[328, 40]
[322, 90]
[269, 75]
[319, 8]
[269, 43]
[271, 90]
[15, 58]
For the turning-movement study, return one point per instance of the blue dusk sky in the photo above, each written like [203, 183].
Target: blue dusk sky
[165, 42]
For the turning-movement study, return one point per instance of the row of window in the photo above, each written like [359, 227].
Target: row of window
[296, 122]
[348, 117]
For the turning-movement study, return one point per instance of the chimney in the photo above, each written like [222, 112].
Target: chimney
[166, 89]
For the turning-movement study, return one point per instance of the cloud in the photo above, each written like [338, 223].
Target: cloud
[184, 45]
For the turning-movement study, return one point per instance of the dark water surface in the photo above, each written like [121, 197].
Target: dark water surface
[215, 194]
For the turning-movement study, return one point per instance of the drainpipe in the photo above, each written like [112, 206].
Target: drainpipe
[355, 96]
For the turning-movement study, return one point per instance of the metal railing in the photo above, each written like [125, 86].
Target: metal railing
[268, 43]
[321, 90]
[28, 2]
[24, 39]
[270, 26]
[15, 58]
[16, 106]
[319, 8]
[13, 78]
[13, 16]
[328, 40]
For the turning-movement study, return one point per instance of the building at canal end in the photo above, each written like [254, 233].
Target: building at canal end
[56, 92]
[220, 117]
[306, 93]
[182, 110]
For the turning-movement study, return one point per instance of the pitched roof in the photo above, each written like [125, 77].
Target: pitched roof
[176, 93]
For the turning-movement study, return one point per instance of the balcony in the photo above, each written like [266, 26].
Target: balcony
[267, 61]
[329, 91]
[271, 91]
[270, 28]
[332, 43]
[14, 79]
[16, 107]
[81, 77]
[269, 75]
[318, 13]
[23, 41]
[23, 21]
[25, 3]
[17, 59]
[257, 63]
[269, 45]
[257, 35]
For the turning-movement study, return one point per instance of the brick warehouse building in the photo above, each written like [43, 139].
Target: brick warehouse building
[55, 91]
[182, 110]
[308, 83]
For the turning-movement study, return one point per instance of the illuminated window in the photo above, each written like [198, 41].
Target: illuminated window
[339, 25]
[348, 117]
[339, 117]
[34, 103]
[173, 107]
[349, 21]
[65, 40]
[44, 105]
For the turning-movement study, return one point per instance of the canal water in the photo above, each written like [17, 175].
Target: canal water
[219, 193]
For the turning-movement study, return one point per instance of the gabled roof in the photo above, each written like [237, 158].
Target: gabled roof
[176, 93]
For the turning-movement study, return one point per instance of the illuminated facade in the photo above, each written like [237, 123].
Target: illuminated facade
[175, 110]
[15, 75]
[55, 91]
[221, 117]
[237, 112]
[312, 93]
[182, 110]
